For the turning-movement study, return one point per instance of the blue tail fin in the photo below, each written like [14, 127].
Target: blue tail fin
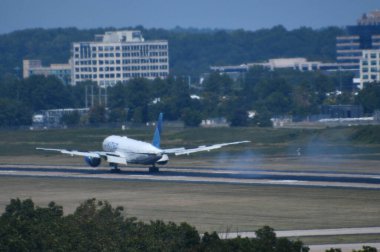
[157, 132]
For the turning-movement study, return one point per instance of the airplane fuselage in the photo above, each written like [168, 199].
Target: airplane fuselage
[134, 151]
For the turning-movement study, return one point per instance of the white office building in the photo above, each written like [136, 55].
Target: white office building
[369, 67]
[117, 57]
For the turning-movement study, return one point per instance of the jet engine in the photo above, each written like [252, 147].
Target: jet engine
[93, 161]
[164, 160]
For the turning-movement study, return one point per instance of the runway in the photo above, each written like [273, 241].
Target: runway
[202, 175]
[308, 232]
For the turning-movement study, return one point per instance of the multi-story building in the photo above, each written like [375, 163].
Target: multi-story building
[34, 67]
[119, 56]
[300, 64]
[369, 67]
[365, 35]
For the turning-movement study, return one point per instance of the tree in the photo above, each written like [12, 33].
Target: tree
[369, 97]
[71, 119]
[366, 249]
[97, 226]
[239, 117]
[266, 238]
[14, 113]
[334, 250]
[24, 227]
[97, 115]
[191, 118]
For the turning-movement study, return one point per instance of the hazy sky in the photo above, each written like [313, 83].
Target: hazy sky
[231, 14]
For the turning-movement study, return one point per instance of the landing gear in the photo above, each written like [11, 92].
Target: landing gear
[154, 169]
[114, 168]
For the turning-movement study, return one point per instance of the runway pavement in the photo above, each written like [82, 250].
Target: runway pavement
[318, 232]
[309, 232]
[347, 247]
[202, 175]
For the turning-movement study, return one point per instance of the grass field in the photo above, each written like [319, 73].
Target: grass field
[219, 207]
[336, 149]
[209, 206]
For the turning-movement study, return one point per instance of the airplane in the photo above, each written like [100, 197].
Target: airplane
[121, 150]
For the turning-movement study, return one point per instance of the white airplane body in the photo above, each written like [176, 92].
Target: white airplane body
[123, 150]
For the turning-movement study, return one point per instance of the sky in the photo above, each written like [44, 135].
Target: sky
[222, 14]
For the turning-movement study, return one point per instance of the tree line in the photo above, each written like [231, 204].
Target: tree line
[192, 51]
[97, 226]
[264, 92]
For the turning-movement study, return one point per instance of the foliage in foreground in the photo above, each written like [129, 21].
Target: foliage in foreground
[97, 226]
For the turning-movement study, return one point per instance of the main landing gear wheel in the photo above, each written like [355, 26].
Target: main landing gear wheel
[154, 169]
[114, 168]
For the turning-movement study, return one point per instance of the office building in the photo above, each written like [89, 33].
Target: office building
[369, 67]
[35, 67]
[118, 56]
[363, 36]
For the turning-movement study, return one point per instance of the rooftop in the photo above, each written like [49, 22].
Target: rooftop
[120, 36]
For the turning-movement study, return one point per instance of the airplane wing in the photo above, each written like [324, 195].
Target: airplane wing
[111, 157]
[183, 151]
[93, 154]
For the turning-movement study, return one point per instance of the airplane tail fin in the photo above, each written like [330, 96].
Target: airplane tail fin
[157, 132]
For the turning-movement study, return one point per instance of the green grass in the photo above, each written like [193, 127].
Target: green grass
[268, 141]
[209, 207]
[335, 149]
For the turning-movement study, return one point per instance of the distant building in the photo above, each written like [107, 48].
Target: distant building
[118, 56]
[300, 64]
[342, 111]
[369, 67]
[52, 117]
[363, 36]
[34, 67]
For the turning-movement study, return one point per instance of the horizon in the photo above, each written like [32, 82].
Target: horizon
[249, 15]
